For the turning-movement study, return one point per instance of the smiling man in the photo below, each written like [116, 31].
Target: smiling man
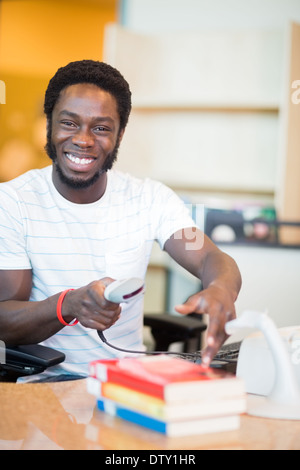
[85, 139]
[69, 229]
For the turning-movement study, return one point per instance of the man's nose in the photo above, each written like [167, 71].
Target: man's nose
[83, 138]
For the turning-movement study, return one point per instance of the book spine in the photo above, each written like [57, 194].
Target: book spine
[159, 409]
[192, 427]
[105, 374]
[196, 386]
[126, 395]
[135, 417]
[133, 398]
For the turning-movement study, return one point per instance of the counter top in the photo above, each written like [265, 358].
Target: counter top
[62, 415]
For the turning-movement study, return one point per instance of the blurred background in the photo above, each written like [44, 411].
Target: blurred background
[36, 38]
[216, 116]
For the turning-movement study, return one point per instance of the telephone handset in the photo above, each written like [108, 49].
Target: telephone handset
[27, 359]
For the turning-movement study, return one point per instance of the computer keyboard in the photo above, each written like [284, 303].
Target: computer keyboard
[229, 352]
[226, 358]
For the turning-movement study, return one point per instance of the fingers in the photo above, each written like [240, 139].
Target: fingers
[220, 308]
[106, 281]
[215, 338]
[93, 309]
[194, 304]
[216, 334]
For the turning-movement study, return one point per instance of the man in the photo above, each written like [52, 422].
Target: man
[69, 229]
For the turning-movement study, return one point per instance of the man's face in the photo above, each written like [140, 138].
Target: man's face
[85, 134]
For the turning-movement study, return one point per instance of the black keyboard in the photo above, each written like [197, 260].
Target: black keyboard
[229, 352]
[226, 358]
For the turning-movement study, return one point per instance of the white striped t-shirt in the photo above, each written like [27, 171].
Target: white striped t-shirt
[68, 245]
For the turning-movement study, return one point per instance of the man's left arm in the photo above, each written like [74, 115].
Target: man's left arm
[221, 281]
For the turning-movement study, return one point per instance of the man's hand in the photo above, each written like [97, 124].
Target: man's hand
[217, 302]
[90, 307]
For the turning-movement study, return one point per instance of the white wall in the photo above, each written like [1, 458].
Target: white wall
[156, 16]
[150, 17]
[226, 151]
[270, 282]
[205, 107]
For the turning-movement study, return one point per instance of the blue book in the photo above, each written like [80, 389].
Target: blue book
[172, 429]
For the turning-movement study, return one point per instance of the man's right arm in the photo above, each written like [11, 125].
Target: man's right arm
[22, 321]
[26, 322]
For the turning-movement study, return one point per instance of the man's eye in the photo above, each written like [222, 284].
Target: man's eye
[67, 123]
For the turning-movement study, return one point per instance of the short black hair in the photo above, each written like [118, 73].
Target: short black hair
[98, 73]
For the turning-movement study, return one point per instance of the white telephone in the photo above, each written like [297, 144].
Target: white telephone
[279, 383]
[256, 365]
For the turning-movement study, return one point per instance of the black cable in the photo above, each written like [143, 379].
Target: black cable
[190, 355]
[193, 356]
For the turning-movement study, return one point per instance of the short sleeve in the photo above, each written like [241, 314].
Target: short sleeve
[13, 253]
[170, 213]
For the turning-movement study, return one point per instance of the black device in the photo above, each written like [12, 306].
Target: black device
[27, 360]
[226, 358]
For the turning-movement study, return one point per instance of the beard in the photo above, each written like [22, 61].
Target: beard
[78, 183]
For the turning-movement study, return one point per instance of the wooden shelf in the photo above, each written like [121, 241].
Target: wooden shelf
[209, 189]
[204, 108]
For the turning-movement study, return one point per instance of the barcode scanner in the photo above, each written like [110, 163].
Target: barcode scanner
[124, 290]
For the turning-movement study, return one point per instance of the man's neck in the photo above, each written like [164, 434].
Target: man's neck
[87, 195]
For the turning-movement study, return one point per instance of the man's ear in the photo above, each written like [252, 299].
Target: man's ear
[120, 137]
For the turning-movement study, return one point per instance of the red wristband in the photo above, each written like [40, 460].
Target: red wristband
[58, 309]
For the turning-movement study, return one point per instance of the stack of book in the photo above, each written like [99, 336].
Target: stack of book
[168, 394]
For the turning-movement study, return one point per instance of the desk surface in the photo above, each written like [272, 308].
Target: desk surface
[63, 415]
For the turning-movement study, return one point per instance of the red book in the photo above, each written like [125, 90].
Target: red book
[169, 378]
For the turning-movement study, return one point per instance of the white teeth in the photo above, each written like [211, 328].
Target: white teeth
[78, 161]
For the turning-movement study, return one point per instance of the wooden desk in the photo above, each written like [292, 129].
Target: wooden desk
[63, 415]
